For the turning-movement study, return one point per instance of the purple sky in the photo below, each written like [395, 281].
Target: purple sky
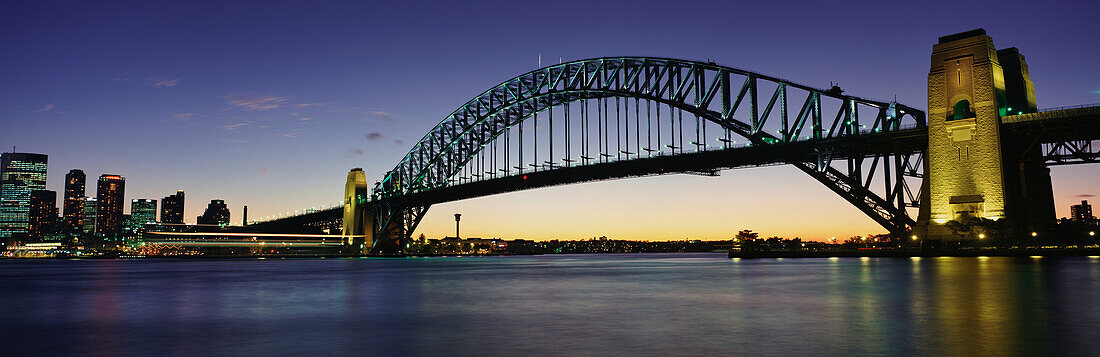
[270, 103]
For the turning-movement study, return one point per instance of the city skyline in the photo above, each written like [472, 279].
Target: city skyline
[272, 112]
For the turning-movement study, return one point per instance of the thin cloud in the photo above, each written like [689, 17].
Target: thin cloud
[161, 83]
[1086, 195]
[46, 108]
[235, 141]
[256, 102]
[307, 105]
[183, 116]
[265, 170]
[382, 115]
[293, 134]
[373, 136]
[234, 126]
[399, 142]
[355, 151]
[305, 120]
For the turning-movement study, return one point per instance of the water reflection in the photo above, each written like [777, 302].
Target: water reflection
[697, 304]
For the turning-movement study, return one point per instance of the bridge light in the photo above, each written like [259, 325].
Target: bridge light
[1010, 109]
[981, 235]
[525, 177]
[1092, 233]
[914, 237]
[1034, 234]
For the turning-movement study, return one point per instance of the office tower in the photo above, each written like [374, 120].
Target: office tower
[171, 208]
[109, 194]
[88, 222]
[74, 198]
[1081, 213]
[142, 211]
[216, 213]
[20, 174]
[43, 213]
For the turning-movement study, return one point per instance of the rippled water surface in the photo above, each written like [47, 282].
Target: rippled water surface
[660, 304]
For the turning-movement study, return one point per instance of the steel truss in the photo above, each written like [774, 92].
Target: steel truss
[1070, 152]
[466, 146]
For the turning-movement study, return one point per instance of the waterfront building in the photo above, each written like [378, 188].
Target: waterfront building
[216, 213]
[42, 214]
[74, 198]
[20, 174]
[1081, 213]
[171, 209]
[88, 221]
[142, 211]
[109, 194]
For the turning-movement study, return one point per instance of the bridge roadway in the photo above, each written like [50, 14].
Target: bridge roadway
[707, 162]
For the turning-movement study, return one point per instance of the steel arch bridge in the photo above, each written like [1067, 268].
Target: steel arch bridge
[614, 117]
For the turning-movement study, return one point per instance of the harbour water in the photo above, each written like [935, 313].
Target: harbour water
[625, 304]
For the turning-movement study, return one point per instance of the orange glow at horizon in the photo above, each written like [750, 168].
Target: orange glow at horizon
[773, 201]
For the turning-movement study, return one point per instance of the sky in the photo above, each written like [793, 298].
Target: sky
[269, 104]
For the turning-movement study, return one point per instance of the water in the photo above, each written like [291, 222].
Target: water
[660, 304]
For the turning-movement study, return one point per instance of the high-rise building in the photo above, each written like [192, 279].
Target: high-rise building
[43, 213]
[109, 194]
[142, 211]
[216, 213]
[171, 209]
[1081, 213]
[88, 222]
[20, 174]
[74, 198]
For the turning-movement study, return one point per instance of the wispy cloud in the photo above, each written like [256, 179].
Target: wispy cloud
[305, 120]
[307, 105]
[1086, 195]
[355, 151]
[382, 115]
[234, 125]
[256, 102]
[235, 141]
[46, 108]
[399, 142]
[292, 134]
[183, 116]
[161, 83]
[373, 136]
[265, 170]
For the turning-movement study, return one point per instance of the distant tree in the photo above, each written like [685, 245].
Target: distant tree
[746, 235]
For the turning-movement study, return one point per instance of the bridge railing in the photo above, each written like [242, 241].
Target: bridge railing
[1069, 107]
[296, 213]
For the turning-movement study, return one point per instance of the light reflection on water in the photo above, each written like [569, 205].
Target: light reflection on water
[661, 304]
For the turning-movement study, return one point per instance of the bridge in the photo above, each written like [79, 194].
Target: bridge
[981, 150]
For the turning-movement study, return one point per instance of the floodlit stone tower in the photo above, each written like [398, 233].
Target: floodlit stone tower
[355, 217]
[974, 170]
[964, 140]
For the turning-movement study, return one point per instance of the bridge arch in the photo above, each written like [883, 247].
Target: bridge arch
[721, 97]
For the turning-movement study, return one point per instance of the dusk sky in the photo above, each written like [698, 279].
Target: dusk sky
[269, 104]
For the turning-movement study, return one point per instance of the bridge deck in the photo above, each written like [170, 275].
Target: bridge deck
[697, 162]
